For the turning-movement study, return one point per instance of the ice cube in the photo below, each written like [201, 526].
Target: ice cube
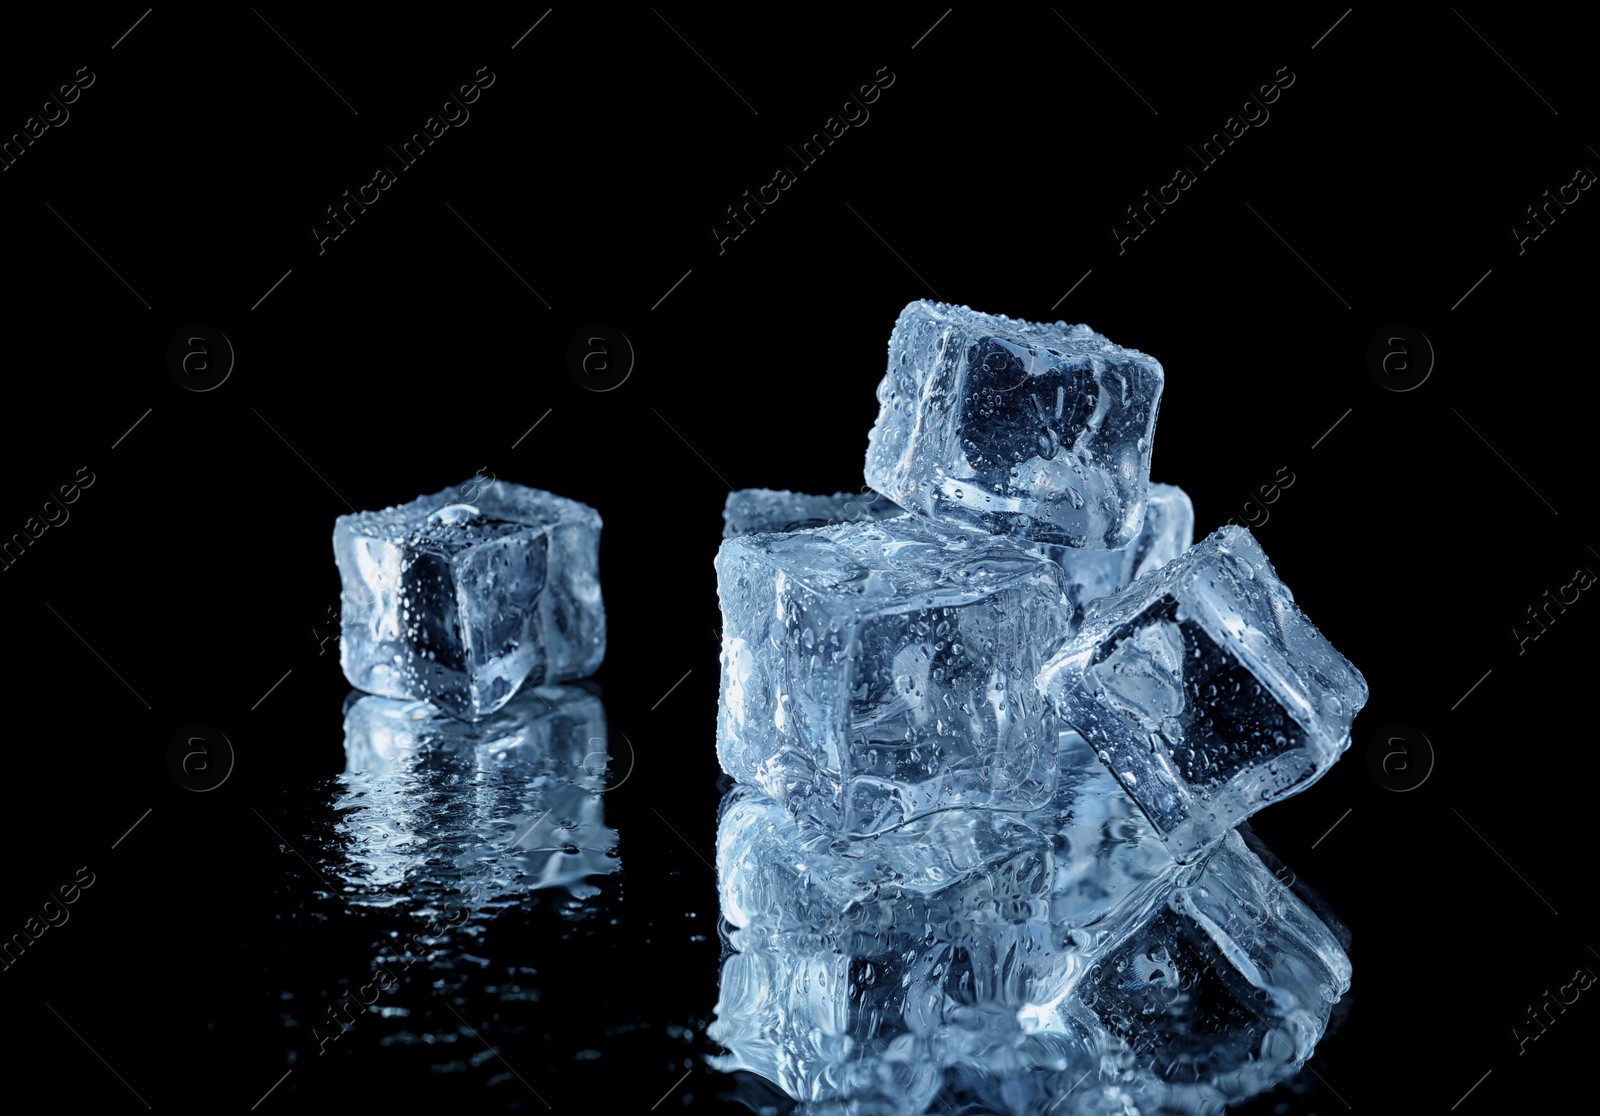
[1167, 532]
[1033, 430]
[1226, 990]
[1206, 691]
[876, 672]
[461, 597]
[752, 511]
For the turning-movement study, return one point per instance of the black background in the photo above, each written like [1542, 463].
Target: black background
[416, 350]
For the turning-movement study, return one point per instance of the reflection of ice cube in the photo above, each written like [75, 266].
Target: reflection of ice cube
[934, 944]
[461, 603]
[1226, 990]
[1206, 690]
[1041, 431]
[510, 803]
[1087, 853]
[876, 672]
[1054, 960]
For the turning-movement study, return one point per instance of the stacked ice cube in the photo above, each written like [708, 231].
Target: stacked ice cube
[995, 722]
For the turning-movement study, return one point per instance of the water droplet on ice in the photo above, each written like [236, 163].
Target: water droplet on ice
[454, 513]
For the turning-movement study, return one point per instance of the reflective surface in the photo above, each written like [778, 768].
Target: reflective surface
[473, 855]
[1058, 960]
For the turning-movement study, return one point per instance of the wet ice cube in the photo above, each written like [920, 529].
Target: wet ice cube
[1206, 691]
[876, 672]
[463, 596]
[1227, 989]
[753, 511]
[877, 1019]
[1167, 532]
[1041, 431]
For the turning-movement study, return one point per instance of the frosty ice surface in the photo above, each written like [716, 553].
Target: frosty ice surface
[1034, 430]
[463, 596]
[875, 672]
[1084, 854]
[752, 511]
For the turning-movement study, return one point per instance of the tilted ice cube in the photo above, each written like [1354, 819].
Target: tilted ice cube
[1206, 691]
[752, 511]
[876, 672]
[435, 808]
[1168, 531]
[463, 596]
[1225, 992]
[1033, 430]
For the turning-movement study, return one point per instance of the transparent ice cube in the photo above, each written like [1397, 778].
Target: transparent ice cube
[1206, 691]
[876, 672]
[460, 603]
[1041, 431]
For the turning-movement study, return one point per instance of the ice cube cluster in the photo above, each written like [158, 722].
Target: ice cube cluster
[996, 726]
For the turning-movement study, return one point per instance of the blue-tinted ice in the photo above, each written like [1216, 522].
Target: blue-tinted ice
[934, 910]
[1039, 431]
[876, 672]
[752, 511]
[1226, 989]
[1055, 960]
[874, 969]
[463, 596]
[1085, 853]
[497, 808]
[1207, 691]
[1167, 532]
